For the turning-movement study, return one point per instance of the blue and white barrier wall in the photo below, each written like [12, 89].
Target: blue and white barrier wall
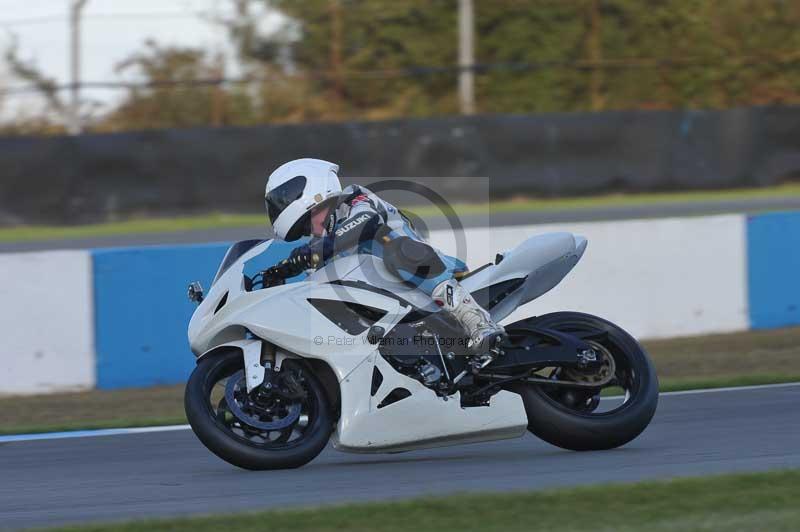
[46, 322]
[116, 318]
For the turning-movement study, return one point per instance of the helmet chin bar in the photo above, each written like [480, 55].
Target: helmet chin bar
[301, 228]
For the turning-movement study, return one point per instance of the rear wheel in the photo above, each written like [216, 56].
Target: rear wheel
[284, 423]
[580, 419]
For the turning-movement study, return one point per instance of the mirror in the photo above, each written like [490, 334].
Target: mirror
[195, 292]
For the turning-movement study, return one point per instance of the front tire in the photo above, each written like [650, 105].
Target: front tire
[231, 434]
[579, 427]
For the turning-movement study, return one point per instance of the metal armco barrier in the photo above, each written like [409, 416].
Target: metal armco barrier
[101, 177]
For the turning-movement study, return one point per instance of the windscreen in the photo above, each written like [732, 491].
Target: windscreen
[233, 254]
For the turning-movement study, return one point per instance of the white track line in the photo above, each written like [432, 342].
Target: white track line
[170, 428]
[733, 388]
[715, 390]
[89, 433]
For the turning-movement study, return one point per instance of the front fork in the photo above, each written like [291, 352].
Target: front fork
[259, 356]
[254, 371]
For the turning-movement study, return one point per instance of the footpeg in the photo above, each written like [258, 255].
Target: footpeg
[477, 363]
[430, 374]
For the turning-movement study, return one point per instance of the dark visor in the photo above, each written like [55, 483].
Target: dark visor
[281, 196]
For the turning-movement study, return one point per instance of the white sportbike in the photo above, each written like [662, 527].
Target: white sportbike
[353, 356]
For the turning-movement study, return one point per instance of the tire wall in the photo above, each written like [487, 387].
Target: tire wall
[92, 178]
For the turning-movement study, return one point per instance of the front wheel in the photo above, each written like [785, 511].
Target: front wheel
[284, 423]
[585, 419]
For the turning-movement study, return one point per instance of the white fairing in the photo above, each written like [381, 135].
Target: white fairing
[370, 270]
[421, 420]
[283, 316]
[543, 261]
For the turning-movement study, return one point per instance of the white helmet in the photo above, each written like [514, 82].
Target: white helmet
[293, 189]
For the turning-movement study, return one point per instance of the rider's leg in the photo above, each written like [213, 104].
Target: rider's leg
[476, 321]
[418, 263]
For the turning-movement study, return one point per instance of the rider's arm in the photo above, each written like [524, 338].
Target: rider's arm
[365, 218]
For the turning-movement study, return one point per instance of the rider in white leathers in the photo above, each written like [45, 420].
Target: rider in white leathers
[305, 198]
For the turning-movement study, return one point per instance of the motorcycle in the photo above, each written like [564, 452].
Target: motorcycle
[353, 356]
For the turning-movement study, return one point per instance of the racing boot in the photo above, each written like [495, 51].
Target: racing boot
[484, 333]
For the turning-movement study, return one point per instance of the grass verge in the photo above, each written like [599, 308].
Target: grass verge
[221, 221]
[715, 361]
[130, 227]
[761, 501]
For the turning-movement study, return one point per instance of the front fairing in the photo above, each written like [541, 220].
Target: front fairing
[227, 286]
[242, 261]
[282, 313]
[285, 316]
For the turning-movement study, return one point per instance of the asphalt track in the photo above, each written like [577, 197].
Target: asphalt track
[170, 473]
[496, 219]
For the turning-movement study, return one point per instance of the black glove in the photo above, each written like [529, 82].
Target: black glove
[303, 258]
[275, 275]
[300, 259]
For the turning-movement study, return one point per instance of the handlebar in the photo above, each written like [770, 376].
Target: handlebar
[275, 275]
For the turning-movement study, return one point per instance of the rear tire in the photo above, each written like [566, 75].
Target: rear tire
[571, 429]
[235, 449]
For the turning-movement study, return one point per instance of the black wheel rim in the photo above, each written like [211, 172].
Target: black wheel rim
[261, 419]
[602, 401]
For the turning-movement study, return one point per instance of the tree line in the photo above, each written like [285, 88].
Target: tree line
[381, 59]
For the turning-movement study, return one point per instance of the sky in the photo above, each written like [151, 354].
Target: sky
[112, 30]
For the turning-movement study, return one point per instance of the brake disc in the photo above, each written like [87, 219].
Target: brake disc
[236, 386]
[596, 377]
